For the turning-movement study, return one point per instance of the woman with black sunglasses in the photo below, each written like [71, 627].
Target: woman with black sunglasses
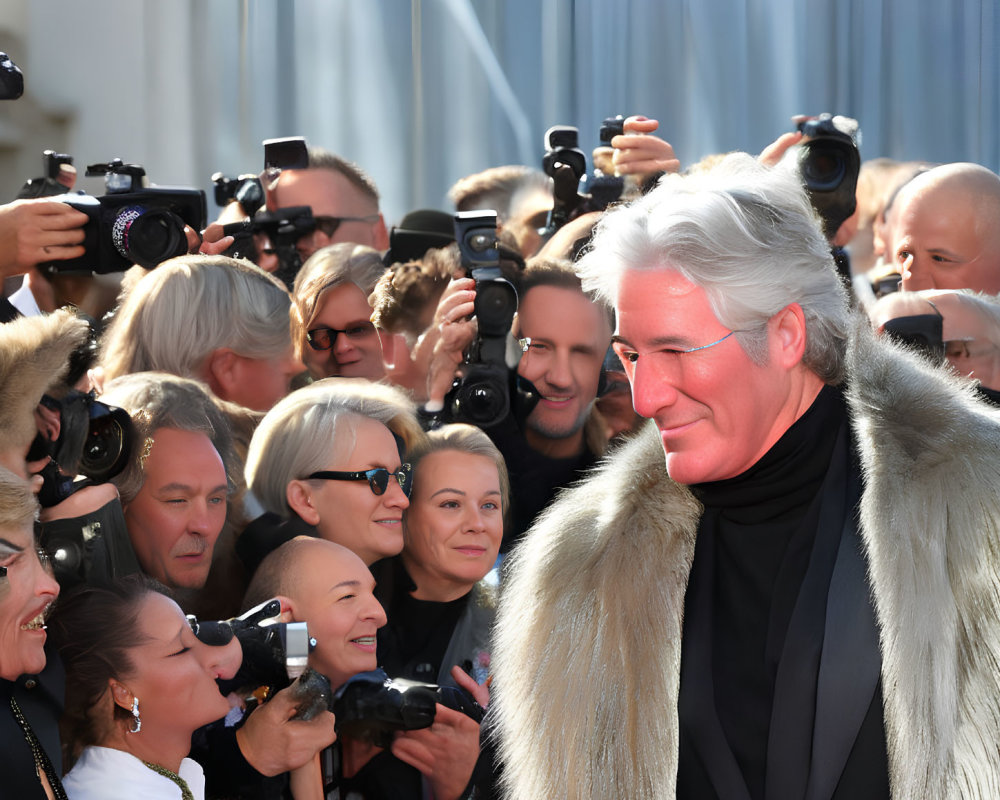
[328, 461]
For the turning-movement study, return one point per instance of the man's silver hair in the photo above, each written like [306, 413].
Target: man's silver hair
[749, 237]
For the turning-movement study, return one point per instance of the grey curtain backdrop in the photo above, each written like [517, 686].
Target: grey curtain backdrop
[422, 92]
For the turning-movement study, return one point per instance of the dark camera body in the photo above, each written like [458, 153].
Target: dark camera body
[829, 163]
[481, 396]
[371, 706]
[94, 441]
[921, 332]
[132, 224]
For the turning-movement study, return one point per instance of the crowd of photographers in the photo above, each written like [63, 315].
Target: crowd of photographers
[281, 451]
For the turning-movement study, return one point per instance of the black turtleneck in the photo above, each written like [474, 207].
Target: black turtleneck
[755, 539]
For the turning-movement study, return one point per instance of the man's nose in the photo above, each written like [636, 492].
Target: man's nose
[652, 389]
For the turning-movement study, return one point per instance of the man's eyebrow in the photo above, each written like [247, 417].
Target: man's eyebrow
[342, 584]
[183, 487]
[659, 341]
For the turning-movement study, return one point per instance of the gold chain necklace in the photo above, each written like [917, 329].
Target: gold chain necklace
[166, 773]
[42, 762]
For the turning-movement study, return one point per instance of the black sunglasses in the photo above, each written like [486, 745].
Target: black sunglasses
[323, 338]
[328, 225]
[378, 478]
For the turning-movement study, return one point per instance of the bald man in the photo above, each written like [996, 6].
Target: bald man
[946, 230]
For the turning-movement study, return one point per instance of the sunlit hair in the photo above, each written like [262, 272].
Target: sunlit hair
[157, 400]
[744, 233]
[300, 434]
[179, 313]
[462, 438]
[18, 506]
[326, 269]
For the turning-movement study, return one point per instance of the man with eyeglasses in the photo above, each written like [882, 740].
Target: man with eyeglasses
[786, 586]
[343, 198]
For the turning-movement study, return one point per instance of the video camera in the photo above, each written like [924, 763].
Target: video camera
[371, 706]
[131, 223]
[481, 393]
[566, 164]
[283, 227]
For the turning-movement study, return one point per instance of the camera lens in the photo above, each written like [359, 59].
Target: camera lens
[105, 450]
[824, 166]
[148, 236]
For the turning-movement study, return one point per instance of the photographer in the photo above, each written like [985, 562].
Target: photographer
[565, 336]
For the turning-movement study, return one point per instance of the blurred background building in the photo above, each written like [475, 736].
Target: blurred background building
[422, 92]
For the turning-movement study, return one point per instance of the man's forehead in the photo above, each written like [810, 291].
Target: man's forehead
[329, 192]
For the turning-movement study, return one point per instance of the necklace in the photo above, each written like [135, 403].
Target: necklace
[166, 773]
[42, 763]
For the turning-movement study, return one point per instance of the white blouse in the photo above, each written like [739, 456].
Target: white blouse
[102, 773]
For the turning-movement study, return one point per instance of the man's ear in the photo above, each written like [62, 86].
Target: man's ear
[121, 695]
[789, 342]
[222, 372]
[381, 235]
[299, 495]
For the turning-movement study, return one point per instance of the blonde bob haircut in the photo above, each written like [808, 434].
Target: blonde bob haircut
[326, 269]
[298, 435]
[178, 314]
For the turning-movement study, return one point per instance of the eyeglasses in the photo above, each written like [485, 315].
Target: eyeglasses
[322, 338]
[631, 356]
[378, 478]
[328, 225]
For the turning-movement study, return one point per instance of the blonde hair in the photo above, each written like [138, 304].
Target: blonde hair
[178, 314]
[296, 437]
[462, 438]
[18, 506]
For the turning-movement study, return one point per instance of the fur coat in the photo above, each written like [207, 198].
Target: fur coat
[587, 651]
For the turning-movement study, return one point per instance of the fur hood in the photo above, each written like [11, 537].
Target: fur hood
[34, 355]
[587, 651]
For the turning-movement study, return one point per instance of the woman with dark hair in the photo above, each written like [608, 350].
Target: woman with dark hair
[138, 684]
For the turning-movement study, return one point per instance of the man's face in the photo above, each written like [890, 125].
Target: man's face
[178, 514]
[569, 337]
[330, 195]
[356, 352]
[942, 238]
[334, 594]
[716, 410]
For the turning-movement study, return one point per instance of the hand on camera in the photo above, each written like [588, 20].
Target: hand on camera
[38, 231]
[446, 753]
[452, 331]
[273, 742]
[637, 152]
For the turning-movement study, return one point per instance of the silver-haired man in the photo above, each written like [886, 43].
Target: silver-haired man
[801, 600]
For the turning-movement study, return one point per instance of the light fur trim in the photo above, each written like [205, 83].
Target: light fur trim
[34, 355]
[931, 524]
[590, 625]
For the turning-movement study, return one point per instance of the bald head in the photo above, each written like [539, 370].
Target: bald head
[946, 230]
[328, 587]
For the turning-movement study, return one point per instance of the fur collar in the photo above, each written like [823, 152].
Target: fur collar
[587, 651]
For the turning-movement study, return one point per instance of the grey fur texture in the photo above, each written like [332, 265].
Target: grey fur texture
[588, 634]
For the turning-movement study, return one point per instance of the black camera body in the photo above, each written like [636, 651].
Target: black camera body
[95, 441]
[274, 653]
[371, 706]
[829, 163]
[566, 164]
[481, 395]
[131, 224]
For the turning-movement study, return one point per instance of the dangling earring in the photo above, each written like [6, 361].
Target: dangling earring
[136, 722]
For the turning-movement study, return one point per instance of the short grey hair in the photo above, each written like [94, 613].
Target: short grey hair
[179, 313]
[298, 435]
[748, 236]
[156, 400]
